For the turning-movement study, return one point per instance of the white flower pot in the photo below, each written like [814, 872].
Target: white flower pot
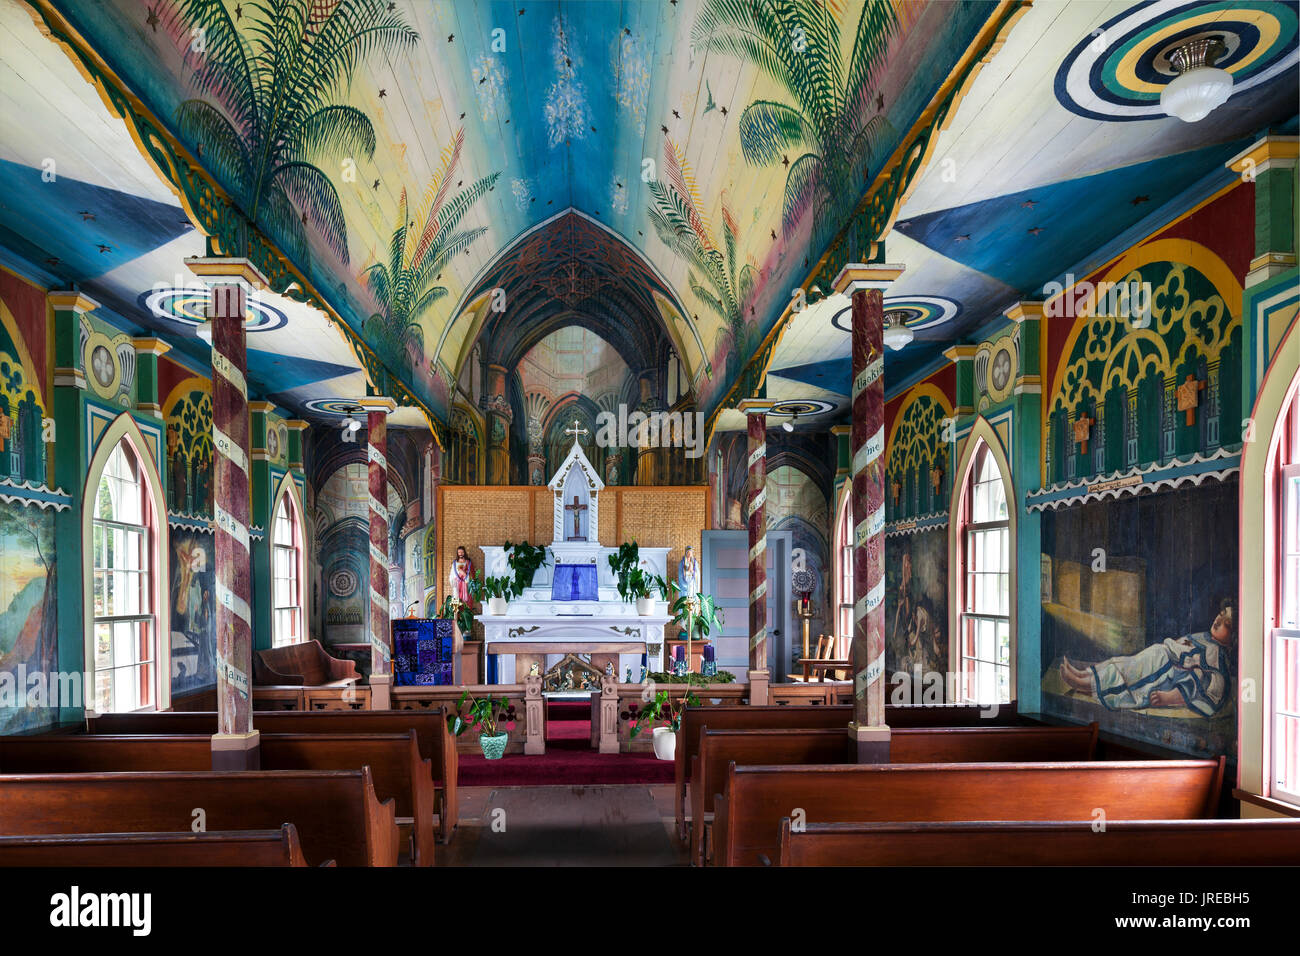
[645, 606]
[496, 605]
[665, 741]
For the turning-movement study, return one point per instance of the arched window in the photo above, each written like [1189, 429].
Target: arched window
[984, 668]
[286, 574]
[124, 564]
[1283, 651]
[844, 567]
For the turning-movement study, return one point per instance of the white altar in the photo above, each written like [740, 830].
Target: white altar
[536, 624]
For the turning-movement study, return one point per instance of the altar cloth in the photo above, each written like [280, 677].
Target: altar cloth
[423, 652]
[574, 582]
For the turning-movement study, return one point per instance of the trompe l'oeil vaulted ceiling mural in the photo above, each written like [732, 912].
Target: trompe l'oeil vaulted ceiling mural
[404, 154]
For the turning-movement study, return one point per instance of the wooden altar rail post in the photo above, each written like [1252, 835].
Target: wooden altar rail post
[534, 716]
[608, 715]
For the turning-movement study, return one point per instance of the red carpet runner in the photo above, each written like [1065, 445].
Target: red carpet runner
[569, 759]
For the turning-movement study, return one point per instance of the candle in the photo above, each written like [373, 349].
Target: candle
[708, 652]
[681, 652]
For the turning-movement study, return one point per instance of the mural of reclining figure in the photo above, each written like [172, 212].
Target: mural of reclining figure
[1189, 671]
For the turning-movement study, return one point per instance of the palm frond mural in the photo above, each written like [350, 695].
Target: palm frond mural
[405, 286]
[277, 79]
[714, 278]
[826, 135]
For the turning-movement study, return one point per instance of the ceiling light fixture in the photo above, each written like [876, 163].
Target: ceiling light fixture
[897, 334]
[351, 425]
[1200, 86]
[788, 425]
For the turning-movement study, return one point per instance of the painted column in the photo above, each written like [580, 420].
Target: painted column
[497, 417]
[756, 522]
[381, 637]
[868, 732]
[70, 467]
[235, 746]
[147, 352]
[261, 517]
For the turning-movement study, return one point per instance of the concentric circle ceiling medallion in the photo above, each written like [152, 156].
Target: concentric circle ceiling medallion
[915, 311]
[187, 307]
[801, 407]
[1118, 72]
[342, 407]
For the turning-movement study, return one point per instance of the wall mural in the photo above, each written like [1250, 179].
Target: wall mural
[916, 614]
[1132, 393]
[1139, 616]
[918, 472]
[193, 613]
[188, 414]
[22, 407]
[795, 503]
[28, 615]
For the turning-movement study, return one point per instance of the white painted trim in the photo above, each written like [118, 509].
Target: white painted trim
[289, 487]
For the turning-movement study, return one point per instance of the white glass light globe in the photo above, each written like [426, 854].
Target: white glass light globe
[1192, 95]
[897, 335]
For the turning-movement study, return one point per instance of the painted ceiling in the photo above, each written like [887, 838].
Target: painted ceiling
[1074, 167]
[402, 154]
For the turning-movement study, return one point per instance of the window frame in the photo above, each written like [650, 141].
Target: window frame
[843, 545]
[296, 552]
[969, 614]
[1282, 646]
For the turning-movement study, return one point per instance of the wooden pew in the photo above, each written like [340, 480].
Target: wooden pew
[1056, 843]
[430, 726]
[336, 812]
[830, 745]
[398, 771]
[228, 848]
[747, 717]
[747, 816]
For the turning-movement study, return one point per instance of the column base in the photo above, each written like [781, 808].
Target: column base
[237, 751]
[381, 697]
[758, 684]
[868, 744]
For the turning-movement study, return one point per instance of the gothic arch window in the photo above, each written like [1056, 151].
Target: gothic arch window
[127, 664]
[464, 450]
[984, 638]
[286, 573]
[844, 566]
[1282, 652]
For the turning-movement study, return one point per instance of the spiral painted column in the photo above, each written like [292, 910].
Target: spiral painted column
[756, 521]
[381, 637]
[235, 746]
[868, 733]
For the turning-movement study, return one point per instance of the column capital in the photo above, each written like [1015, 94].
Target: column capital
[71, 300]
[960, 353]
[261, 407]
[229, 270]
[297, 425]
[841, 430]
[1271, 151]
[755, 406]
[150, 346]
[377, 403]
[1025, 311]
[860, 275]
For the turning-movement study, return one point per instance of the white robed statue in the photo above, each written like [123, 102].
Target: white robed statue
[688, 574]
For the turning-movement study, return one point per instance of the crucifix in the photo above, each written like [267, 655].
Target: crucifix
[1082, 428]
[1189, 396]
[575, 431]
[576, 509]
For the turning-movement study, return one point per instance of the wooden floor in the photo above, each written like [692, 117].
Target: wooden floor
[623, 825]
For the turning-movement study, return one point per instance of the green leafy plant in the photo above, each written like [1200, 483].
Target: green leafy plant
[524, 560]
[463, 615]
[705, 616]
[498, 587]
[634, 581]
[279, 76]
[696, 680]
[485, 713]
[663, 709]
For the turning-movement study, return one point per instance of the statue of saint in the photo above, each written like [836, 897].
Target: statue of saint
[688, 573]
[462, 572]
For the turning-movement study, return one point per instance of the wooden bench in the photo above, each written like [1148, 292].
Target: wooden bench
[830, 745]
[430, 726]
[302, 665]
[1076, 843]
[336, 812]
[398, 771]
[228, 848]
[747, 817]
[747, 717]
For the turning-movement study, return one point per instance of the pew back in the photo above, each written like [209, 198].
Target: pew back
[748, 815]
[228, 848]
[1055, 843]
[430, 726]
[337, 813]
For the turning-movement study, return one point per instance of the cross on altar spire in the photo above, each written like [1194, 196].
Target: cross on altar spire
[575, 431]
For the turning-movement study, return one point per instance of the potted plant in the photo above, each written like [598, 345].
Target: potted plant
[498, 591]
[485, 713]
[454, 610]
[635, 583]
[524, 560]
[663, 708]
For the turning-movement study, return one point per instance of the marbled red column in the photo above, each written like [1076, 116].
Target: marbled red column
[381, 638]
[756, 519]
[230, 438]
[868, 444]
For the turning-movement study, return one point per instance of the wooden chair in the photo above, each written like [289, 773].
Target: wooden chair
[226, 848]
[304, 664]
